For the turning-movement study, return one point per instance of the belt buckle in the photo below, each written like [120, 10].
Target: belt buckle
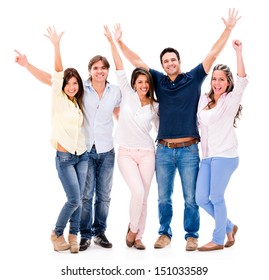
[168, 144]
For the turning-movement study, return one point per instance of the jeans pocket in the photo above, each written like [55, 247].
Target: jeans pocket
[193, 149]
[64, 157]
[159, 146]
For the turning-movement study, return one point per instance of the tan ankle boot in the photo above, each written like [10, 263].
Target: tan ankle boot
[59, 243]
[72, 239]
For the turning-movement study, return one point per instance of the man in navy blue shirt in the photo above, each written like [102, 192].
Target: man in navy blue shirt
[178, 94]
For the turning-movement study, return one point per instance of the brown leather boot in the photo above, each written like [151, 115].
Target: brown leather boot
[72, 239]
[59, 243]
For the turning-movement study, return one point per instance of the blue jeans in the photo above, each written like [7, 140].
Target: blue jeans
[72, 171]
[186, 161]
[212, 181]
[97, 191]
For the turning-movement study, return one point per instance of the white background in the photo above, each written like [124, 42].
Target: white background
[31, 194]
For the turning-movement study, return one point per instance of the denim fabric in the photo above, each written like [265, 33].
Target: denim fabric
[186, 161]
[212, 181]
[96, 199]
[72, 171]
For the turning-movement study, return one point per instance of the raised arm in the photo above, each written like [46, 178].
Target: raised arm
[55, 39]
[237, 45]
[39, 74]
[117, 60]
[115, 54]
[221, 42]
[133, 58]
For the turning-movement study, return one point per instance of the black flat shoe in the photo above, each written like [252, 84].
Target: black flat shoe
[102, 241]
[84, 244]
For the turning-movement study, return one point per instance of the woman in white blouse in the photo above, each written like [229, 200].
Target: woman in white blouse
[136, 155]
[69, 141]
[217, 113]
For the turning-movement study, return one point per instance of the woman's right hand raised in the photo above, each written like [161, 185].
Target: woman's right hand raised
[53, 36]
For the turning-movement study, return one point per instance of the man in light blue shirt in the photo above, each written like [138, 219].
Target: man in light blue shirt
[100, 102]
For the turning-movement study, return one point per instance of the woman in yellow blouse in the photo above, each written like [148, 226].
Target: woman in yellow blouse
[69, 141]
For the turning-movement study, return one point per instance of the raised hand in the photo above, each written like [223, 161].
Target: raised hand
[108, 34]
[117, 32]
[232, 19]
[237, 45]
[115, 53]
[53, 36]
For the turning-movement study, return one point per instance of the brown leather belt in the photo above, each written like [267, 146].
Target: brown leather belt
[179, 145]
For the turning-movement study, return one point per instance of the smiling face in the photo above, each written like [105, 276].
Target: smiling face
[98, 69]
[71, 88]
[219, 83]
[141, 85]
[99, 72]
[171, 65]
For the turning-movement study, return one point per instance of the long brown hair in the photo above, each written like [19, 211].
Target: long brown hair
[142, 71]
[229, 76]
[70, 73]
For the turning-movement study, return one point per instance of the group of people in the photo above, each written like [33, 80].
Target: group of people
[82, 126]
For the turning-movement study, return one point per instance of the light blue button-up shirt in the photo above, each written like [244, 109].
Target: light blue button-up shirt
[98, 116]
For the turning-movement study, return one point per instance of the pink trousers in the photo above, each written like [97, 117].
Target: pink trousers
[137, 167]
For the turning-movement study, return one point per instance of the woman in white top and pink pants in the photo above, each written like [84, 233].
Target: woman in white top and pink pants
[217, 113]
[136, 155]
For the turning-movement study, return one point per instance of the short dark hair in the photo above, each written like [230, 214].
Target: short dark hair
[166, 50]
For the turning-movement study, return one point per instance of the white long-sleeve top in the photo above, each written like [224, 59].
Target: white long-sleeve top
[135, 122]
[218, 137]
